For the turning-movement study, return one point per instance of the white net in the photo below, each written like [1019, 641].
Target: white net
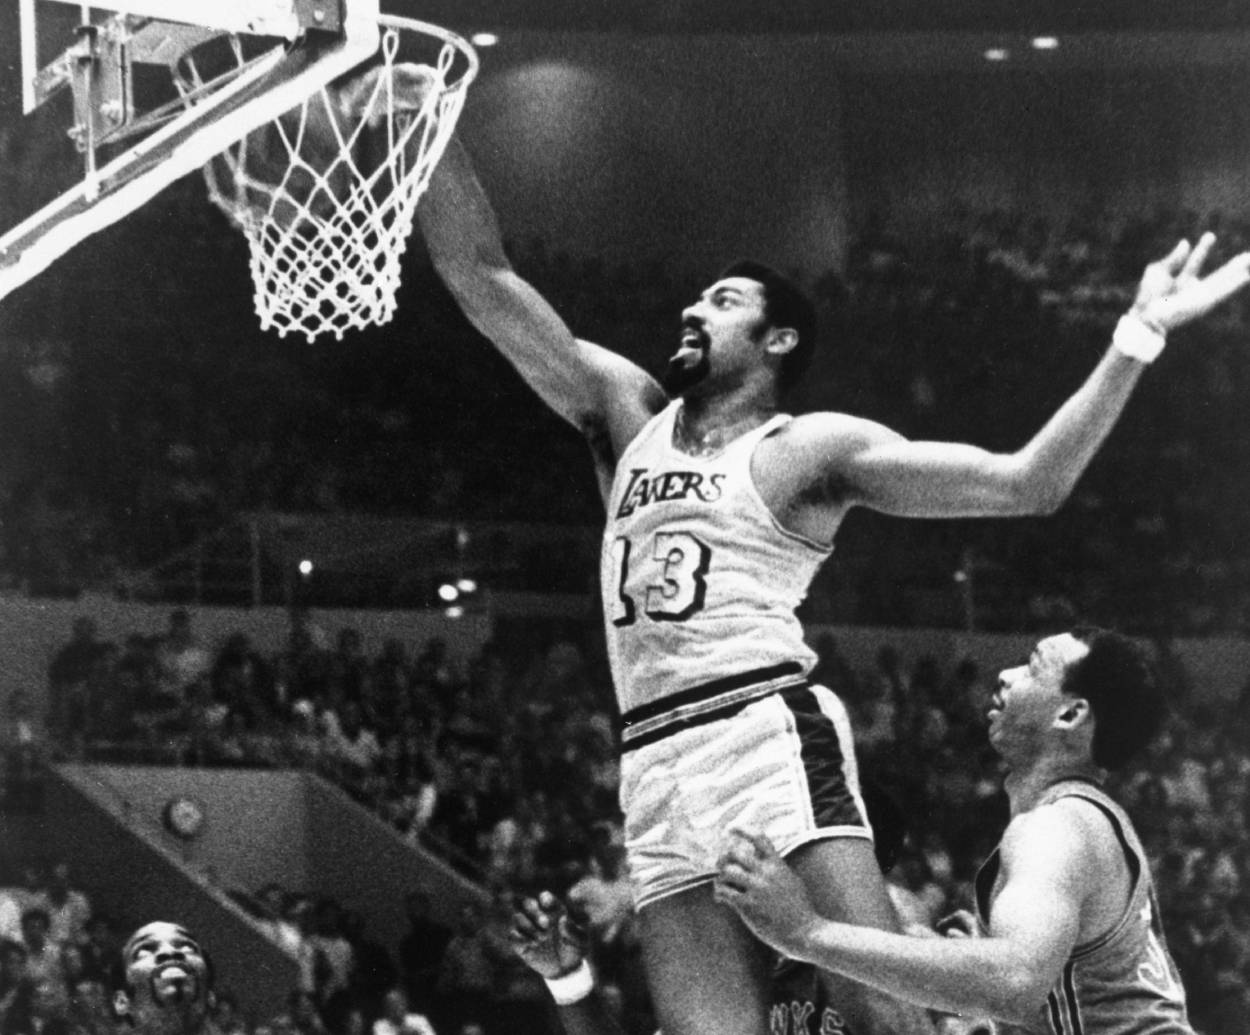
[326, 194]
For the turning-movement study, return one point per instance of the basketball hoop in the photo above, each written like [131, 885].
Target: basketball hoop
[326, 194]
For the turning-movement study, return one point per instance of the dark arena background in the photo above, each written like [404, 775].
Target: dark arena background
[301, 644]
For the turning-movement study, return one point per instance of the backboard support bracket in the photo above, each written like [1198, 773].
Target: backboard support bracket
[273, 84]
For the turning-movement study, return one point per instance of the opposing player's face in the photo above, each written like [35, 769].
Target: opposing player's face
[720, 332]
[165, 968]
[1030, 697]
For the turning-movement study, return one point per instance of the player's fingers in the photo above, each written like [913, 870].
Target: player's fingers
[762, 844]
[525, 921]
[739, 853]
[1194, 263]
[534, 914]
[1204, 295]
[550, 904]
[411, 84]
[1175, 260]
[732, 875]
[752, 844]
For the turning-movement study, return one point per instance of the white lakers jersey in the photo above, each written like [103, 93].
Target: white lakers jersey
[699, 580]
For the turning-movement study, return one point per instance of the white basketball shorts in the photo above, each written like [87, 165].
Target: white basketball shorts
[782, 765]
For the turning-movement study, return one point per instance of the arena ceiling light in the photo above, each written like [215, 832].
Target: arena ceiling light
[997, 54]
[1045, 43]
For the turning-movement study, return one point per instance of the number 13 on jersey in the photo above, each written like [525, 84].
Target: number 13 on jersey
[675, 565]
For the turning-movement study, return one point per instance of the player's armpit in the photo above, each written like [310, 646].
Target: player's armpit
[851, 461]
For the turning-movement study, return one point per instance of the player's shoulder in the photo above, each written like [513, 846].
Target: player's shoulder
[829, 430]
[1061, 834]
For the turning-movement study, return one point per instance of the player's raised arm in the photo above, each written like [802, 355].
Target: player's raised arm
[595, 390]
[1006, 974]
[880, 469]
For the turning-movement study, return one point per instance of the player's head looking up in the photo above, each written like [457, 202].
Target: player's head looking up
[750, 311]
[169, 979]
[1088, 695]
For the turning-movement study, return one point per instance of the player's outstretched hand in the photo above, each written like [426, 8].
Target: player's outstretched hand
[757, 883]
[363, 96]
[1173, 291]
[546, 938]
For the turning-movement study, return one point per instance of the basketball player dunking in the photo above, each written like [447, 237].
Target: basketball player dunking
[1072, 939]
[720, 509]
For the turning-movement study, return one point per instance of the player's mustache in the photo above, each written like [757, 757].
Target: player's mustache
[695, 325]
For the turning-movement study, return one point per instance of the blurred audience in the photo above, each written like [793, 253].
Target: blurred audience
[939, 329]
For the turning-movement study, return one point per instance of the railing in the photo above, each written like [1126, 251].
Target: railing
[182, 751]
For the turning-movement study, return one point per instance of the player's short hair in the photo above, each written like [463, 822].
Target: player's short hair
[1119, 681]
[785, 305]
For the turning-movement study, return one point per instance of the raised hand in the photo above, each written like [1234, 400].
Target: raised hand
[759, 885]
[1173, 291]
[546, 938]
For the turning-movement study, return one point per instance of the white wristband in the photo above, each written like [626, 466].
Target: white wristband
[573, 987]
[1138, 339]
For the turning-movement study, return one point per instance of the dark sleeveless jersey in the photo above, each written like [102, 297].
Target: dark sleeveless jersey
[1123, 982]
[799, 1003]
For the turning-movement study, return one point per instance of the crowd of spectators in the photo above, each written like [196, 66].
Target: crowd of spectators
[125, 444]
[505, 765]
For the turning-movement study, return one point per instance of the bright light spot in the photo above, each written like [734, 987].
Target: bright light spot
[484, 39]
[961, 576]
[305, 567]
[997, 54]
[466, 586]
[1045, 43]
[456, 611]
[448, 592]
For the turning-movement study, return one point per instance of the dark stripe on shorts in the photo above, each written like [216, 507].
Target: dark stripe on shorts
[833, 805]
[681, 725]
[713, 688]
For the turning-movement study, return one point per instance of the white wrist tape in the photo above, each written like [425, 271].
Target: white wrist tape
[1138, 339]
[573, 987]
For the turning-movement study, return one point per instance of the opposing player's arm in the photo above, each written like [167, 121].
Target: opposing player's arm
[552, 945]
[872, 466]
[1006, 975]
[595, 390]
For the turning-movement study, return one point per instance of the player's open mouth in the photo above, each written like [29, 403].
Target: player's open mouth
[174, 982]
[693, 339]
[996, 707]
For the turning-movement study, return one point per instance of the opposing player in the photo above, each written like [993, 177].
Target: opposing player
[1072, 938]
[555, 947]
[720, 510]
[169, 982]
